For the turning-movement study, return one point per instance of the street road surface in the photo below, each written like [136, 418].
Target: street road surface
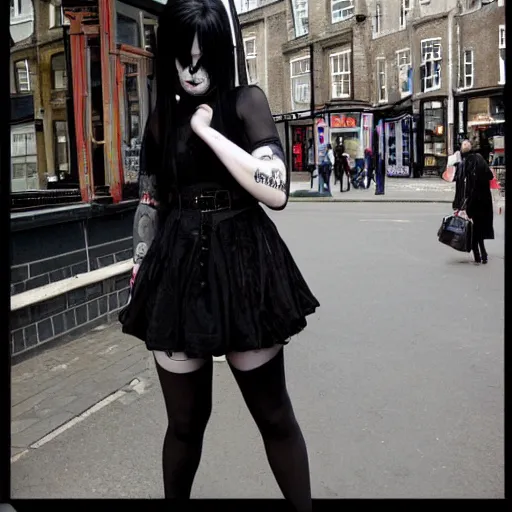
[397, 381]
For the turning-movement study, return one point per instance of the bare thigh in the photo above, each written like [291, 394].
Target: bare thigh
[177, 362]
[252, 359]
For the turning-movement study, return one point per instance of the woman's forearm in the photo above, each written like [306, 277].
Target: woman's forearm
[263, 179]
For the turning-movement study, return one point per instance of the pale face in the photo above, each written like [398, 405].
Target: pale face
[195, 81]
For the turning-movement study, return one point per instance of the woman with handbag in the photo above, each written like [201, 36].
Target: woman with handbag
[473, 194]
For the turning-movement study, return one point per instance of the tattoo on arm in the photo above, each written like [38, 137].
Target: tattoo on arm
[273, 179]
[276, 177]
[146, 218]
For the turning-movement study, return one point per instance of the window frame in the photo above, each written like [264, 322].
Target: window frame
[292, 76]
[377, 19]
[26, 159]
[17, 82]
[251, 56]
[433, 60]
[409, 66]
[296, 18]
[56, 147]
[52, 16]
[343, 53]
[502, 50]
[405, 9]
[384, 85]
[65, 71]
[465, 63]
[342, 17]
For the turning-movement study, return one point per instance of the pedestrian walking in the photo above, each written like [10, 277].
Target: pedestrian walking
[213, 276]
[473, 195]
[325, 170]
[338, 160]
[346, 174]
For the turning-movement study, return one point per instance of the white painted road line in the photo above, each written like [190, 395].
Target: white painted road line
[71, 423]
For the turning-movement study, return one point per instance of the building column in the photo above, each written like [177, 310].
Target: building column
[110, 98]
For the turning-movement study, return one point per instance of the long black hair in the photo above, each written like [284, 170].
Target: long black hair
[178, 24]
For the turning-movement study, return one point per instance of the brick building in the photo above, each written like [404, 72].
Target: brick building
[348, 66]
[479, 111]
[40, 142]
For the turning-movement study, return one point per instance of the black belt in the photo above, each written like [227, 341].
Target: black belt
[206, 201]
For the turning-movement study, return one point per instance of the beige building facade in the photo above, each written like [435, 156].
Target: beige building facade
[40, 141]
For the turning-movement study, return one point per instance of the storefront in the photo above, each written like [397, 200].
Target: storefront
[480, 118]
[398, 144]
[296, 131]
[354, 129]
[112, 55]
[433, 142]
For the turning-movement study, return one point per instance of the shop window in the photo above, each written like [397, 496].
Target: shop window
[403, 60]
[405, 9]
[342, 10]
[300, 82]
[467, 78]
[128, 31]
[434, 129]
[502, 52]
[60, 144]
[22, 76]
[251, 59]
[24, 158]
[430, 64]
[60, 77]
[341, 70]
[300, 17]
[131, 125]
[377, 19]
[381, 81]
[56, 14]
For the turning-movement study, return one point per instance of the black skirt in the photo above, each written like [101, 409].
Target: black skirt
[217, 282]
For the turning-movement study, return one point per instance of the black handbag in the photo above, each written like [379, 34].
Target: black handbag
[456, 232]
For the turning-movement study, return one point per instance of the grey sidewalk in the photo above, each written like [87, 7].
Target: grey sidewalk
[58, 385]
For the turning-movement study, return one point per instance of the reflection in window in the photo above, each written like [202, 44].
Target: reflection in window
[24, 158]
[251, 59]
[127, 31]
[132, 124]
[430, 65]
[60, 77]
[300, 78]
[434, 120]
[60, 137]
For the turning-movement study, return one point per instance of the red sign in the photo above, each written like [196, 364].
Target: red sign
[342, 121]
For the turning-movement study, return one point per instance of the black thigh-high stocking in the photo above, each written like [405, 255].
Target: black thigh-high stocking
[264, 391]
[188, 400]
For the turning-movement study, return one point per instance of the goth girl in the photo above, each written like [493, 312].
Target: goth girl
[212, 276]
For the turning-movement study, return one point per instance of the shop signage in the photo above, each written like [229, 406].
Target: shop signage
[291, 117]
[343, 121]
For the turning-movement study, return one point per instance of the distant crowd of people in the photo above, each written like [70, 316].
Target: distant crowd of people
[346, 173]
